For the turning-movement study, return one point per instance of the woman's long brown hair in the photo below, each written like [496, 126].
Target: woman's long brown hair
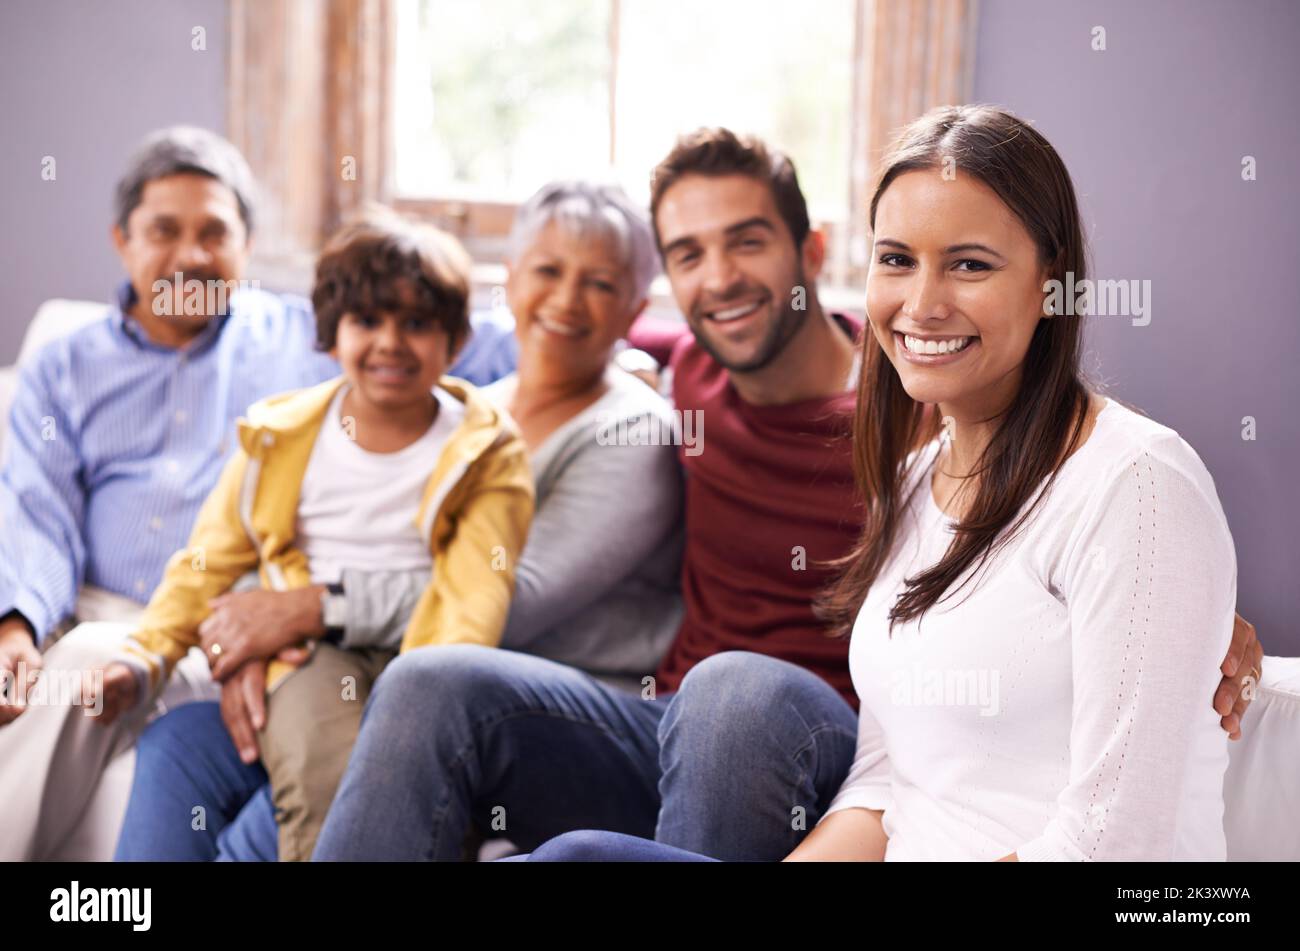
[1043, 423]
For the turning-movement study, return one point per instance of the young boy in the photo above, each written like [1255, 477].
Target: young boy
[392, 467]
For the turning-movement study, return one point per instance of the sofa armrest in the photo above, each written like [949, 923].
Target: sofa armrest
[1261, 790]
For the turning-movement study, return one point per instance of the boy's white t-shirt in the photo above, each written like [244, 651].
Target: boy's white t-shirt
[357, 509]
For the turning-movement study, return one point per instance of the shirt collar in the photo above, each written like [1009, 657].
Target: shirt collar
[125, 298]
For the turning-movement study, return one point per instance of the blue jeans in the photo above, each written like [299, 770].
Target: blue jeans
[193, 800]
[595, 846]
[737, 764]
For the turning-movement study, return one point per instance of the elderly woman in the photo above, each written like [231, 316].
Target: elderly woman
[600, 559]
[596, 583]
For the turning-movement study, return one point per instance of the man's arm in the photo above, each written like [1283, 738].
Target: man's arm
[42, 502]
[1242, 669]
[19, 659]
[260, 624]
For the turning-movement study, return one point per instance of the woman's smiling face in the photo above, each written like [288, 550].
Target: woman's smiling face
[573, 297]
[955, 290]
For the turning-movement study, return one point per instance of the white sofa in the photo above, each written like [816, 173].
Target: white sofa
[1261, 790]
[53, 319]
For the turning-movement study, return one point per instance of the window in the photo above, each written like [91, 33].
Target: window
[489, 108]
[456, 110]
[495, 107]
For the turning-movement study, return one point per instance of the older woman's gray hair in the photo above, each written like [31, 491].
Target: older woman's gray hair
[601, 211]
[184, 150]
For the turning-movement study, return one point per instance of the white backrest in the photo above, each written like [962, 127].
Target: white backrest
[56, 318]
[1261, 792]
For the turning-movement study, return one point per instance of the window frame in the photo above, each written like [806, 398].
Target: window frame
[293, 84]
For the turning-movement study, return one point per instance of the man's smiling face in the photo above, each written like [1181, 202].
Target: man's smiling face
[185, 224]
[733, 266]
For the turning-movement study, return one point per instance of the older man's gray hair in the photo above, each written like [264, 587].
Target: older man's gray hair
[184, 150]
[588, 209]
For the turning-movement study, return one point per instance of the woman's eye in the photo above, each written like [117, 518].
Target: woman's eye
[547, 270]
[604, 286]
[895, 260]
[419, 324]
[364, 320]
[974, 265]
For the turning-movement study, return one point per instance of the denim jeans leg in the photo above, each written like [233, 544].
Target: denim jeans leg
[752, 750]
[189, 785]
[596, 846]
[522, 747]
[253, 835]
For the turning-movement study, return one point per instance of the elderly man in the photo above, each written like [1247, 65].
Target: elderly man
[118, 432]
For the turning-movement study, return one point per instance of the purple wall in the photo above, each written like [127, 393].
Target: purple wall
[1154, 130]
[83, 81]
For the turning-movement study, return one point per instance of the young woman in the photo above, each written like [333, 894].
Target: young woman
[1045, 582]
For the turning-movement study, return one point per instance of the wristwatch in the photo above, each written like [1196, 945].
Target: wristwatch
[333, 612]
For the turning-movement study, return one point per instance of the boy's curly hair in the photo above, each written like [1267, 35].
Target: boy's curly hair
[383, 262]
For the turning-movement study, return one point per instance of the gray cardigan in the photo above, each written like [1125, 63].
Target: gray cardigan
[597, 584]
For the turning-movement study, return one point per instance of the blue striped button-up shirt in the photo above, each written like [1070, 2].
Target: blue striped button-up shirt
[114, 441]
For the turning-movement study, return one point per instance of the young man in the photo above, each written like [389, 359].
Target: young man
[746, 731]
[118, 431]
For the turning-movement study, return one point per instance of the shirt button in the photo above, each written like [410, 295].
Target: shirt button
[155, 523]
[139, 586]
[173, 466]
[181, 416]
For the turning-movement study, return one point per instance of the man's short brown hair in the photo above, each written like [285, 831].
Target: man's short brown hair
[720, 151]
[368, 264]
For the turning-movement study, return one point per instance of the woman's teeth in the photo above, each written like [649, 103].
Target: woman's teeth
[735, 313]
[917, 345]
[556, 328]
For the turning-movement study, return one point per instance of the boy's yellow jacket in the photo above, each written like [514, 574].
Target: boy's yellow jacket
[474, 514]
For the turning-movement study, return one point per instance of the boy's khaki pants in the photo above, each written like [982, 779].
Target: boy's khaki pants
[313, 717]
[65, 779]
